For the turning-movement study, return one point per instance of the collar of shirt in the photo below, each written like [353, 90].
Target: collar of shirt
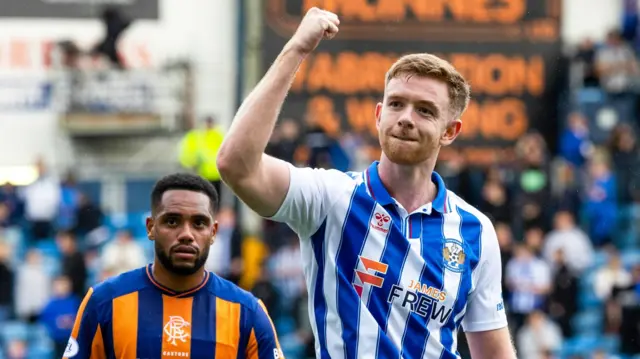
[382, 196]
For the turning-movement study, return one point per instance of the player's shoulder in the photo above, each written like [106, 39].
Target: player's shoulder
[118, 286]
[227, 291]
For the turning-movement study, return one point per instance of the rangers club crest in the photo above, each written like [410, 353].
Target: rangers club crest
[453, 255]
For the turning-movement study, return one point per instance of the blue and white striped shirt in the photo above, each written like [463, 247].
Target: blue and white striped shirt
[385, 283]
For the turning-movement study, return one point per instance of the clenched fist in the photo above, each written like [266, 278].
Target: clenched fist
[316, 25]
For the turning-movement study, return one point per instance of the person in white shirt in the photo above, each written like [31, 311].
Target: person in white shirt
[122, 254]
[574, 243]
[395, 263]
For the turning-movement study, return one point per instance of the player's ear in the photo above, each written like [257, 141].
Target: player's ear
[451, 132]
[149, 223]
[214, 231]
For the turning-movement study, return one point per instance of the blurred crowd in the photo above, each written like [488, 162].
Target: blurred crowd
[567, 218]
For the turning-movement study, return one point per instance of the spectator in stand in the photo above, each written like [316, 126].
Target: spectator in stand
[69, 202]
[495, 201]
[616, 64]
[563, 301]
[529, 281]
[32, 288]
[304, 332]
[629, 299]
[264, 290]
[611, 276]
[73, 264]
[42, 202]
[221, 252]
[571, 240]
[199, 150]
[505, 241]
[10, 197]
[6, 283]
[538, 336]
[586, 56]
[534, 240]
[285, 141]
[17, 349]
[575, 146]
[533, 188]
[59, 314]
[89, 219]
[122, 254]
[318, 143]
[565, 188]
[286, 270]
[625, 156]
[600, 203]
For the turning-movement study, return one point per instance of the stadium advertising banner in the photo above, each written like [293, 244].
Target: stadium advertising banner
[74, 9]
[508, 49]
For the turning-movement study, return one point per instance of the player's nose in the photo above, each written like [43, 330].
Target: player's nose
[186, 234]
[405, 120]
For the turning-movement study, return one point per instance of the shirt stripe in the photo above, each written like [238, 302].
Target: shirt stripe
[150, 317]
[204, 326]
[125, 326]
[348, 257]
[227, 329]
[317, 304]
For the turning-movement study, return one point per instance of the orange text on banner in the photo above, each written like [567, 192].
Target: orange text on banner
[480, 11]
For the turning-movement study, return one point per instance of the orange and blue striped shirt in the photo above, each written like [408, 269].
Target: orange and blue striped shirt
[132, 316]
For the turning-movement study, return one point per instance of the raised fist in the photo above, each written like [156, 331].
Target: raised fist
[316, 25]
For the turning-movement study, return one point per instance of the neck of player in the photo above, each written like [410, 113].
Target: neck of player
[177, 283]
[410, 185]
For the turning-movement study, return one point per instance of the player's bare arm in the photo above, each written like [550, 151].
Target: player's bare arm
[259, 180]
[492, 344]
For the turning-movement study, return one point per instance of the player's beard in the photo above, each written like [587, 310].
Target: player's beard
[404, 152]
[181, 270]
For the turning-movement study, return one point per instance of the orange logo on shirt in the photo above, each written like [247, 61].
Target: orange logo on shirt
[369, 275]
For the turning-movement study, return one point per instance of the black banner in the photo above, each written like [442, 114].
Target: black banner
[509, 50]
[76, 9]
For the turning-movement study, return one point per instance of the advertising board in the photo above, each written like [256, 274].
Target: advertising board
[509, 50]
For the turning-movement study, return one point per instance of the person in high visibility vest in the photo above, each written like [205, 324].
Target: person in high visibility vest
[199, 149]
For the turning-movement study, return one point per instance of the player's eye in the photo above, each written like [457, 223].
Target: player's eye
[395, 104]
[199, 223]
[171, 222]
[424, 111]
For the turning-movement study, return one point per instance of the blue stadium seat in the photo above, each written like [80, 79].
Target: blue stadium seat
[136, 223]
[116, 221]
[631, 258]
[581, 344]
[285, 325]
[38, 333]
[14, 330]
[609, 343]
[588, 322]
[47, 247]
[587, 300]
[39, 352]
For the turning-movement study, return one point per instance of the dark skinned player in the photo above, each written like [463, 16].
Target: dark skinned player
[174, 307]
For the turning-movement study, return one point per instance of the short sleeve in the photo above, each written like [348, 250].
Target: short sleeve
[86, 338]
[263, 340]
[312, 193]
[485, 308]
